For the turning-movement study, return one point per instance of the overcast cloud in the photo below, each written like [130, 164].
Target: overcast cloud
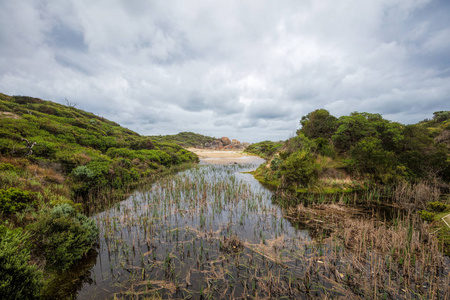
[247, 69]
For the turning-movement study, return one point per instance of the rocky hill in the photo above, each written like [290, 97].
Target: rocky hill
[224, 143]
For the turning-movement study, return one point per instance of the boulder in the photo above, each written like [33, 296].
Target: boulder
[216, 144]
[245, 145]
[225, 141]
[235, 142]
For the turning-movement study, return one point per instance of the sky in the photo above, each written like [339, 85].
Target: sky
[246, 69]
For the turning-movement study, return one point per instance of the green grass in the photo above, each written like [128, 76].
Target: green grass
[184, 139]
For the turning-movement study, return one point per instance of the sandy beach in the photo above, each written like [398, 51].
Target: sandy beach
[225, 156]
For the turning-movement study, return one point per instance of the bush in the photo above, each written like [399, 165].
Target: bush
[437, 206]
[18, 278]
[6, 146]
[64, 236]
[275, 163]
[14, 199]
[8, 167]
[83, 173]
[90, 177]
[300, 169]
[325, 148]
[369, 157]
[426, 215]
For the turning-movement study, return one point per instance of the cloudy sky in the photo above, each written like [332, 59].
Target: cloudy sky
[247, 69]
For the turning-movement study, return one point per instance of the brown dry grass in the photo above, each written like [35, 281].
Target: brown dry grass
[416, 196]
[9, 115]
[46, 174]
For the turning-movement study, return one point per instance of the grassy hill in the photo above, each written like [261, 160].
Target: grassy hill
[265, 149]
[78, 148]
[54, 159]
[184, 139]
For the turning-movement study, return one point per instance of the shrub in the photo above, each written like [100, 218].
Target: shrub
[325, 148]
[275, 163]
[8, 167]
[437, 206]
[45, 149]
[426, 215]
[300, 142]
[18, 278]
[64, 236]
[14, 199]
[6, 146]
[300, 169]
[369, 157]
[83, 173]
[59, 200]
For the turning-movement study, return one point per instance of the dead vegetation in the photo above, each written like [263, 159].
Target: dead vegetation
[204, 234]
[231, 244]
[415, 196]
[9, 115]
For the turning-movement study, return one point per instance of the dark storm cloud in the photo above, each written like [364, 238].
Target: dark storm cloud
[248, 69]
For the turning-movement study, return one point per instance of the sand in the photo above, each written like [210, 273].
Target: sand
[225, 156]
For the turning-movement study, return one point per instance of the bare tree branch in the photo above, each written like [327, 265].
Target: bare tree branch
[69, 103]
[29, 146]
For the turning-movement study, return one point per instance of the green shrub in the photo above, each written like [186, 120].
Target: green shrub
[300, 142]
[14, 199]
[300, 169]
[64, 236]
[44, 149]
[369, 157]
[18, 278]
[8, 167]
[264, 149]
[91, 176]
[275, 163]
[59, 200]
[6, 146]
[83, 173]
[426, 215]
[437, 206]
[325, 148]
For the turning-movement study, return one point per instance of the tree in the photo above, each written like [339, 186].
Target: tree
[422, 155]
[351, 129]
[318, 124]
[369, 157]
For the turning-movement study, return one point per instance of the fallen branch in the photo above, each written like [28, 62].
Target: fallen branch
[29, 146]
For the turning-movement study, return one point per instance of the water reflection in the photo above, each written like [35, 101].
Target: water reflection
[173, 239]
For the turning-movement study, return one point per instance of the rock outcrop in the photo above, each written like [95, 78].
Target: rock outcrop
[225, 143]
[216, 144]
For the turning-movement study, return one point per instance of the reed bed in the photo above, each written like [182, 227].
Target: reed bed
[214, 233]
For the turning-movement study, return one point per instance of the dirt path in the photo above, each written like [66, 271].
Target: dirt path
[225, 156]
